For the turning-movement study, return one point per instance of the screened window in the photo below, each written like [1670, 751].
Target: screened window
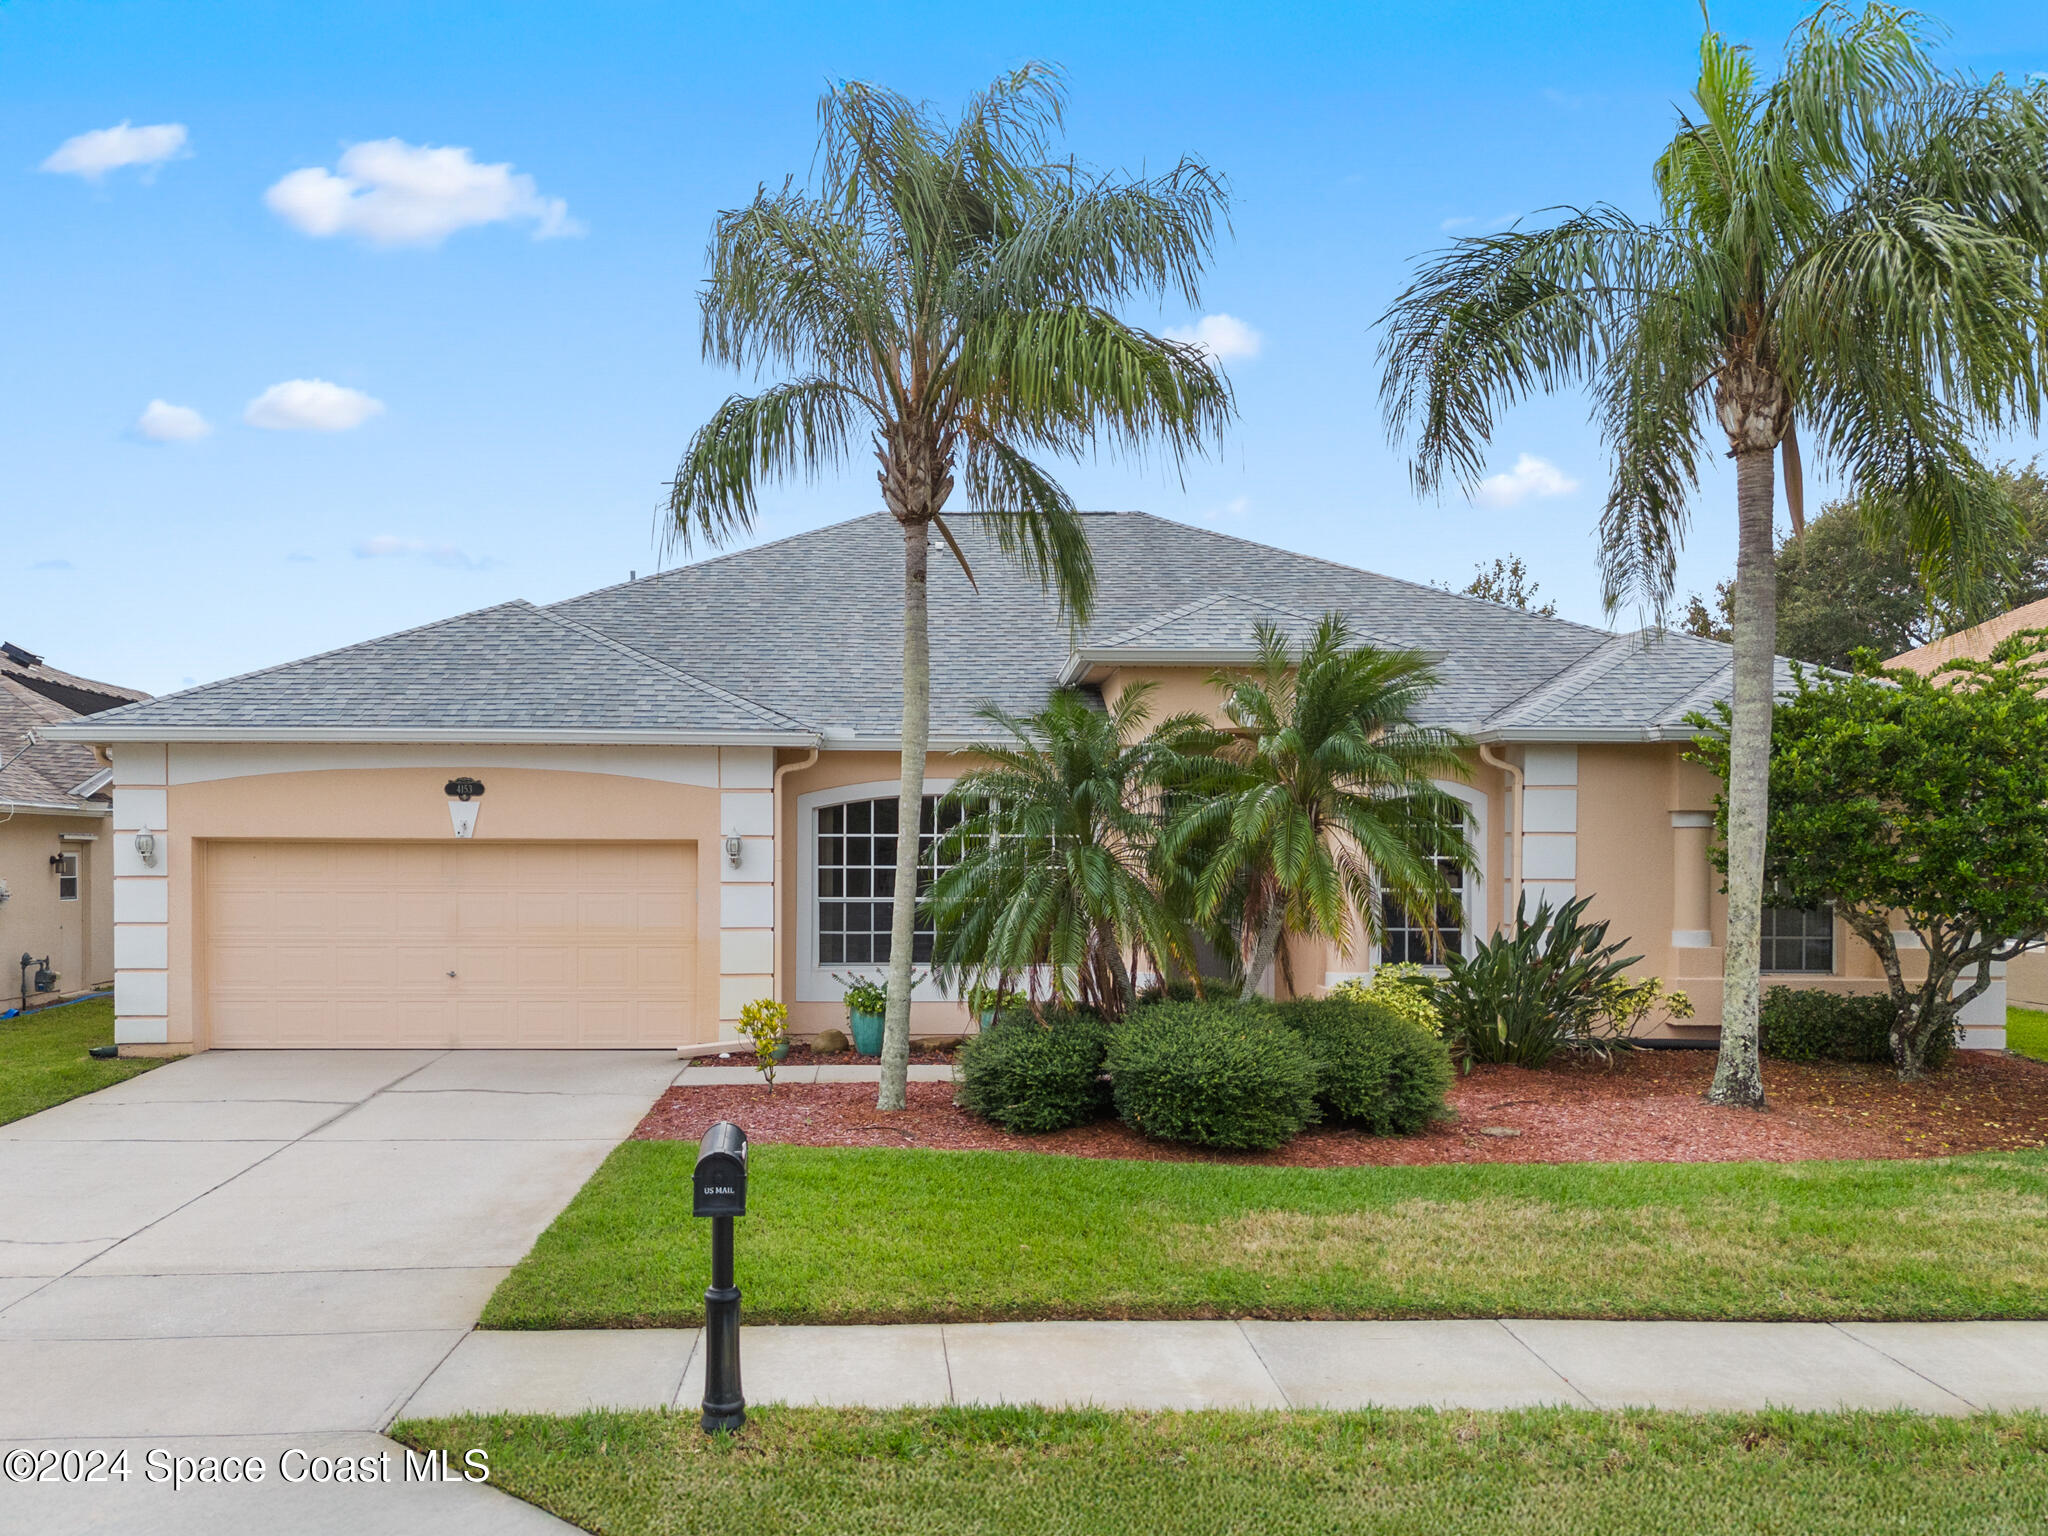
[67, 877]
[856, 852]
[1408, 940]
[1799, 939]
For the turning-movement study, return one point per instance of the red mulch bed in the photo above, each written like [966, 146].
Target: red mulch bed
[1647, 1108]
[921, 1055]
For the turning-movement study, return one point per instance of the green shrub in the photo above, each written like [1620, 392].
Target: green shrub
[1522, 996]
[1802, 1024]
[1031, 1076]
[1214, 1074]
[1374, 1069]
[1407, 990]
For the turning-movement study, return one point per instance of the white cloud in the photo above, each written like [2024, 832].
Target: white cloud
[391, 546]
[1221, 336]
[93, 154]
[162, 422]
[389, 192]
[310, 405]
[1231, 511]
[1499, 221]
[1531, 476]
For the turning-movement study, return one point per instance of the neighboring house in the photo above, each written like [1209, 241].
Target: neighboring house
[2027, 976]
[57, 917]
[681, 791]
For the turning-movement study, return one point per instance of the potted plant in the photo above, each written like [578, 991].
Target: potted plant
[766, 1022]
[986, 1003]
[866, 1001]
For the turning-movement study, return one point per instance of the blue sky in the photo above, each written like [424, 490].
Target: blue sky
[537, 373]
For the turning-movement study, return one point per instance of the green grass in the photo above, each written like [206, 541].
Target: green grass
[911, 1236]
[43, 1057]
[1536, 1473]
[2026, 1031]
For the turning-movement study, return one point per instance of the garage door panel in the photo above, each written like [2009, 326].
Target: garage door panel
[544, 1022]
[547, 967]
[351, 944]
[485, 965]
[363, 1023]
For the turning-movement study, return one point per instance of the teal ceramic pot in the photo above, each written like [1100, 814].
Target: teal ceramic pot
[867, 1032]
[781, 1052]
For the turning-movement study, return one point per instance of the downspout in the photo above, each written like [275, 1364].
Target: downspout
[1514, 840]
[775, 809]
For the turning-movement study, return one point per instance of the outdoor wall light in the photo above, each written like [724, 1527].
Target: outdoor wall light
[732, 849]
[145, 847]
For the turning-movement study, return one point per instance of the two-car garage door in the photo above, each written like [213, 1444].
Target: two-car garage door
[450, 944]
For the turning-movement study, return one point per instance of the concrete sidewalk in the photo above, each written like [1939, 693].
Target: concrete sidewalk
[1926, 1367]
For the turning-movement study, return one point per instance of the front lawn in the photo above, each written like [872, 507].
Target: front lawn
[2026, 1031]
[1549, 1472]
[43, 1058]
[873, 1235]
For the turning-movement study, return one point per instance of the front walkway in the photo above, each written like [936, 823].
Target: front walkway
[1926, 1367]
[252, 1251]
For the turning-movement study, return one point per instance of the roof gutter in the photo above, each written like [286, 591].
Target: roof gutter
[85, 731]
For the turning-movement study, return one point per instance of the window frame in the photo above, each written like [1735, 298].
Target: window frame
[1475, 891]
[812, 980]
[71, 869]
[1767, 940]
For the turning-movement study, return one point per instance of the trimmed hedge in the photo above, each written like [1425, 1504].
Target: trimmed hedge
[1225, 1075]
[1028, 1076]
[1801, 1024]
[1374, 1068]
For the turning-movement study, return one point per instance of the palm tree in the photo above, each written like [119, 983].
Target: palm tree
[1851, 253]
[948, 289]
[1329, 803]
[1053, 862]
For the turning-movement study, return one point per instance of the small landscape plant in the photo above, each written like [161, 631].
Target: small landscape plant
[1403, 989]
[765, 1022]
[862, 994]
[1374, 1068]
[989, 1002]
[1805, 1024]
[1521, 997]
[1227, 1075]
[1030, 1074]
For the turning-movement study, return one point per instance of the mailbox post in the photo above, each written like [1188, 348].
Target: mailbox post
[721, 1194]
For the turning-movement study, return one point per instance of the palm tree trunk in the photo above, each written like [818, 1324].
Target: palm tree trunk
[1738, 1079]
[917, 728]
[1119, 973]
[1264, 948]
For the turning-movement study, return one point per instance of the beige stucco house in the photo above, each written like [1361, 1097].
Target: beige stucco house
[56, 871]
[680, 791]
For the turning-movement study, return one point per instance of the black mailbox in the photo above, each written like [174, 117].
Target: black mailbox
[721, 1188]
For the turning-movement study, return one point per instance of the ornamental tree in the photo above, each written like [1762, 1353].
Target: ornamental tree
[1915, 804]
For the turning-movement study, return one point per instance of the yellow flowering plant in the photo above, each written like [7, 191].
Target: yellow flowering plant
[766, 1022]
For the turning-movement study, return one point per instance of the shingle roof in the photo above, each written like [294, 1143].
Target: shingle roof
[81, 695]
[1644, 682]
[833, 598]
[511, 669]
[48, 774]
[804, 635]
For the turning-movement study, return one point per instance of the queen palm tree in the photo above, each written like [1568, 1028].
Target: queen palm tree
[1328, 804]
[1850, 254]
[948, 289]
[1054, 860]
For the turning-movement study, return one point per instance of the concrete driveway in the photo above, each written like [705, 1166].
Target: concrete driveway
[252, 1251]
